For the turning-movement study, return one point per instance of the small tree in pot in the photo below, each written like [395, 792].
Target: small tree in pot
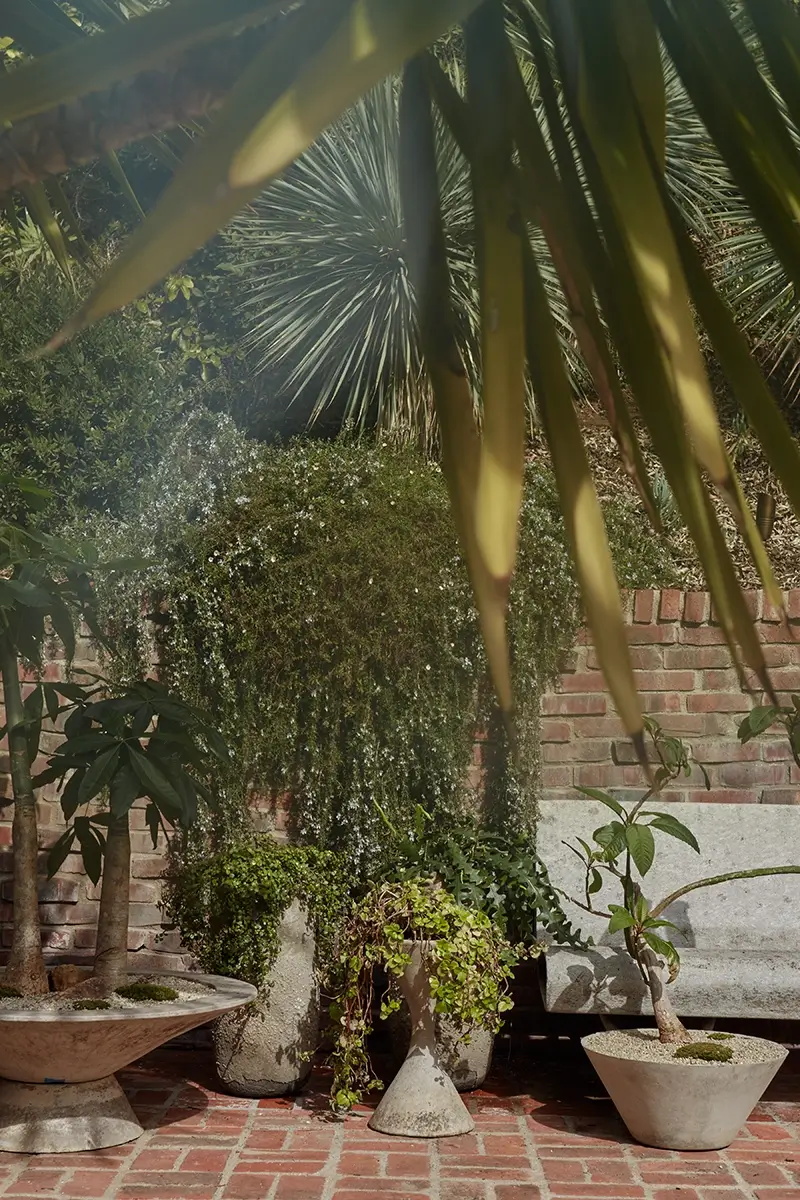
[269, 914]
[695, 1109]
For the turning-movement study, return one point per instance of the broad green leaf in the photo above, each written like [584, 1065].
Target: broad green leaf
[199, 200]
[91, 848]
[604, 798]
[501, 466]
[620, 918]
[675, 828]
[124, 791]
[612, 838]
[155, 783]
[153, 820]
[94, 63]
[62, 620]
[642, 846]
[70, 795]
[460, 441]
[757, 720]
[59, 851]
[583, 515]
[639, 45]
[595, 882]
[660, 946]
[98, 774]
[372, 40]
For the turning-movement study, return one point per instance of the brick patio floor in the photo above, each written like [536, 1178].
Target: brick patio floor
[545, 1131]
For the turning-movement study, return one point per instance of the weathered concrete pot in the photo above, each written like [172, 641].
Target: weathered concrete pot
[680, 1105]
[421, 1101]
[57, 1087]
[265, 1049]
[467, 1063]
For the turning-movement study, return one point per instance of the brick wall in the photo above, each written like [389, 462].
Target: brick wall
[685, 676]
[686, 680]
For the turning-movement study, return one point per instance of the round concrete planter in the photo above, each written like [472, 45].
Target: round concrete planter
[680, 1105]
[421, 1101]
[57, 1086]
[265, 1048]
[466, 1062]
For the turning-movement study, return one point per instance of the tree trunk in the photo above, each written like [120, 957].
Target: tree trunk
[111, 954]
[25, 970]
[671, 1029]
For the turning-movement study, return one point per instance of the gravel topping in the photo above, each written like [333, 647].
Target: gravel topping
[644, 1046]
[187, 989]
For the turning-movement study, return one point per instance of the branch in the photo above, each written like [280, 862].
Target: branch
[700, 883]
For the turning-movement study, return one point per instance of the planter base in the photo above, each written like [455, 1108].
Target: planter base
[50, 1118]
[422, 1102]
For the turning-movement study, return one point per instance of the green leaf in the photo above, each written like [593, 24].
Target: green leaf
[91, 848]
[59, 851]
[675, 828]
[125, 789]
[153, 819]
[642, 846]
[70, 800]
[595, 882]
[155, 783]
[98, 774]
[34, 705]
[611, 838]
[620, 918]
[757, 720]
[660, 946]
[604, 798]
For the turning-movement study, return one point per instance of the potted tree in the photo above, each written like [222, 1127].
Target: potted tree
[438, 956]
[59, 1050]
[672, 1088]
[499, 874]
[266, 913]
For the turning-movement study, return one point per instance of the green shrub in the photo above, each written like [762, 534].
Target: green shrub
[90, 1005]
[147, 991]
[9, 993]
[721, 1037]
[90, 421]
[705, 1052]
[320, 608]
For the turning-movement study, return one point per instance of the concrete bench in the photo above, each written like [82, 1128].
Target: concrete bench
[739, 942]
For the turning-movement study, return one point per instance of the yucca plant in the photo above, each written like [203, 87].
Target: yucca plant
[631, 274]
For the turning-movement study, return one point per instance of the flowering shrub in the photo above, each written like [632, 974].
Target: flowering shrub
[318, 606]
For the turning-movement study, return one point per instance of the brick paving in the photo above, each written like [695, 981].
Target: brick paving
[545, 1131]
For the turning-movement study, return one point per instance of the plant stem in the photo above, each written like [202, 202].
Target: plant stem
[713, 879]
[111, 954]
[25, 970]
[671, 1029]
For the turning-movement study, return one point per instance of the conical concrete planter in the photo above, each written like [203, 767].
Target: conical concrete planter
[421, 1101]
[265, 1049]
[466, 1062]
[681, 1105]
[57, 1086]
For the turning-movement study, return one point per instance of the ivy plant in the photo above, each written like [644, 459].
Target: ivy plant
[229, 907]
[468, 959]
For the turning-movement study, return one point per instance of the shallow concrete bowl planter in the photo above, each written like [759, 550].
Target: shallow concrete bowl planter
[266, 1048]
[681, 1105]
[58, 1090]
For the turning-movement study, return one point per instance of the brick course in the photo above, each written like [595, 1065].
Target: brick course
[685, 677]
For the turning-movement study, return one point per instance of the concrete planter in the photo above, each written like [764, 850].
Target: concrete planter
[57, 1086]
[265, 1048]
[421, 1101]
[680, 1105]
[467, 1063]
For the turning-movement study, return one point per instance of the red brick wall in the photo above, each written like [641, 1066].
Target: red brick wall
[685, 677]
[686, 680]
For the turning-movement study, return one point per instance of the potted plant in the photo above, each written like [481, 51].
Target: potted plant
[673, 1088]
[499, 874]
[438, 956]
[266, 913]
[59, 1050]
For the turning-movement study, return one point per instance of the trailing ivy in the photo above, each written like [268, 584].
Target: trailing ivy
[320, 609]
